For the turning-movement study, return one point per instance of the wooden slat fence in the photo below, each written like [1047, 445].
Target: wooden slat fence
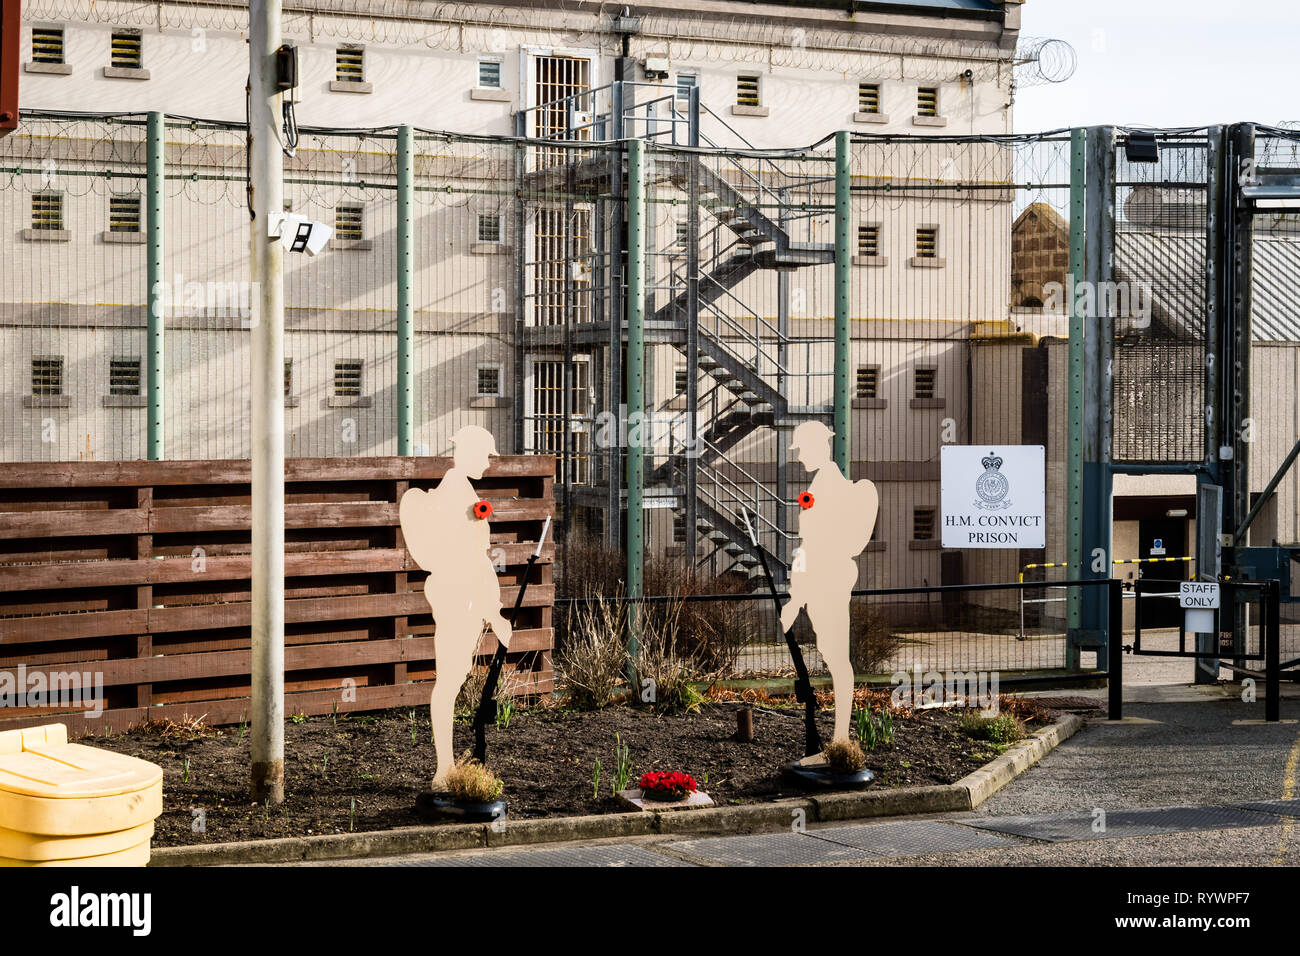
[139, 572]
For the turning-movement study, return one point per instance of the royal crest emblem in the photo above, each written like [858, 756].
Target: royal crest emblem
[992, 486]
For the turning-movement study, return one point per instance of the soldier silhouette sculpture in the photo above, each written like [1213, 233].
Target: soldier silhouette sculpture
[836, 519]
[446, 532]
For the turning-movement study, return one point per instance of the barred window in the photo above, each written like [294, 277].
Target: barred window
[926, 382]
[868, 97]
[489, 381]
[347, 378]
[47, 44]
[47, 210]
[47, 375]
[124, 376]
[927, 242]
[868, 381]
[868, 241]
[127, 50]
[350, 64]
[489, 74]
[927, 101]
[489, 227]
[747, 89]
[347, 222]
[123, 213]
[923, 524]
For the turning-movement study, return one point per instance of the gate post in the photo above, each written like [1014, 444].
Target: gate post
[155, 368]
[405, 305]
[1115, 646]
[1272, 654]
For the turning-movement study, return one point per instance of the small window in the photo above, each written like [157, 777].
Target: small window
[681, 380]
[489, 74]
[927, 242]
[685, 83]
[868, 380]
[927, 101]
[347, 378]
[868, 97]
[350, 64]
[926, 382]
[288, 378]
[47, 210]
[747, 89]
[123, 213]
[127, 51]
[868, 240]
[347, 222]
[124, 376]
[47, 44]
[679, 528]
[47, 375]
[489, 227]
[682, 235]
[923, 524]
[489, 381]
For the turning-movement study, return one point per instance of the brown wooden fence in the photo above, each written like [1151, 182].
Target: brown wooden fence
[139, 572]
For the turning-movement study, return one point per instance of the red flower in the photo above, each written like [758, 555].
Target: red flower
[667, 782]
[482, 509]
[806, 500]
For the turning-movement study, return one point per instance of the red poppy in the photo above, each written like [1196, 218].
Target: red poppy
[806, 500]
[482, 509]
[667, 781]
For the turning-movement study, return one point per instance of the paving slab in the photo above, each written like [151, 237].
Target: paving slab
[1118, 824]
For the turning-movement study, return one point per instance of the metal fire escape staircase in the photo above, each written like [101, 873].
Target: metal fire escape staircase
[747, 385]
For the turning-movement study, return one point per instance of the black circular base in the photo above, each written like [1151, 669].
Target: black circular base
[822, 778]
[443, 808]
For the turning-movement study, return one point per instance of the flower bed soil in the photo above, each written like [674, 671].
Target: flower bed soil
[362, 772]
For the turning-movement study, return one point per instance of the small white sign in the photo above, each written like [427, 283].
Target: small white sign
[993, 496]
[1199, 595]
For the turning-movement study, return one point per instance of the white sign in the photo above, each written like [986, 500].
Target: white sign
[993, 496]
[1199, 594]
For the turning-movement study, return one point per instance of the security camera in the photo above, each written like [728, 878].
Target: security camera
[298, 233]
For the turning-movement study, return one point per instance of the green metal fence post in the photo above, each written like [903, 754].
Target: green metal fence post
[405, 309]
[635, 304]
[1074, 463]
[154, 279]
[842, 271]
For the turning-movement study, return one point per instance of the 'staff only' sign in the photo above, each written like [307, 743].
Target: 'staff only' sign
[993, 496]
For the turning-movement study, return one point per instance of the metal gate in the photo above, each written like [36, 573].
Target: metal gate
[1247, 636]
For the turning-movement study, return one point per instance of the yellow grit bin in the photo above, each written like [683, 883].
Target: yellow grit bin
[64, 804]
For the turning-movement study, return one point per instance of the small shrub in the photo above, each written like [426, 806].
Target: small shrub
[844, 756]
[872, 641]
[472, 782]
[593, 661]
[670, 675]
[1002, 729]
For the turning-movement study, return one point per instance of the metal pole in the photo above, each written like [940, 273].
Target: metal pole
[267, 710]
[154, 278]
[1115, 645]
[1272, 655]
[1074, 461]
[635, 303]
[843, 251]
[405, 275]
[1098, 346]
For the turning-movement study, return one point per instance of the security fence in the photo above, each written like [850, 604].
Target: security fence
[504, 263]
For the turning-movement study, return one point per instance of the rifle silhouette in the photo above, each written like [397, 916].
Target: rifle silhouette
[803, 689]
[487, 702]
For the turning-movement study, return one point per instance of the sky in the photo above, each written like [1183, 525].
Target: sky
[1166, 63]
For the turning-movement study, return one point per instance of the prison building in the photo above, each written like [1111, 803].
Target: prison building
[517, 288]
